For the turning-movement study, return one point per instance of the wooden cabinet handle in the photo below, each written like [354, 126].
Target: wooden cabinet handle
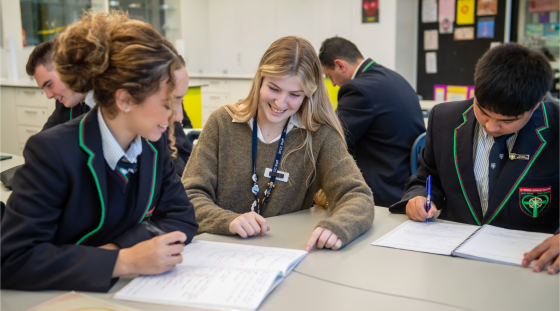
[31, 111]
[214, 82]
[29, 92]
[215, 97]
[32, 131]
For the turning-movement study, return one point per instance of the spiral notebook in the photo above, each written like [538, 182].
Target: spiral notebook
[217, 275]
[486, 243]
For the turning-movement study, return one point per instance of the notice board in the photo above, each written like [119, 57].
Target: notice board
[455, 59]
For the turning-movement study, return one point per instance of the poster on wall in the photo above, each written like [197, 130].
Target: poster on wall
[465, 12]
[485, 28]
[544, 17]
[543, 5]
[463, 33]
[429, 11]
[431, 39]
[446, 16]
[487, 7]
[370, 11]
[431, 62]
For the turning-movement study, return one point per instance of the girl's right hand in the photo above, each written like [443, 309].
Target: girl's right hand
[154, 256]
[248, 224]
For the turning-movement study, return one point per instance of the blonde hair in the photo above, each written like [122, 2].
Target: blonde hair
[107, 52]
[293, 56]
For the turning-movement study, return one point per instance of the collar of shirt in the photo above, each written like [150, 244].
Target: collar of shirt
[112, 151]
[294, 121]
[89, 100]
[358, 68]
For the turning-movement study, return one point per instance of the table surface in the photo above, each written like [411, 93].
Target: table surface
[361, 276]
[5, 165]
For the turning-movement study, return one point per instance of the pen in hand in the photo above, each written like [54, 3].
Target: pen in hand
[429, 197]
[152, 227]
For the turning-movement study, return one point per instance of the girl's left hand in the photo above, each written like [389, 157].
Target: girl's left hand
[323, 237]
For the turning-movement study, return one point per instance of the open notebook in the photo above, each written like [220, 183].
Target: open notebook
[486, 243]
[217, 275]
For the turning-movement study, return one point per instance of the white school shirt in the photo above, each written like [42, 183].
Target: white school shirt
[356, 71]
[294, 121]
[112, 151]
[89, 100]
[482, 144]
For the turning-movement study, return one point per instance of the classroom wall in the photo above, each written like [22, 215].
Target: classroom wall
[231, 36]
[11, 24]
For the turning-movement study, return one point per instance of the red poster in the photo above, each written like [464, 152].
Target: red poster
[543, 5]
[370, 11]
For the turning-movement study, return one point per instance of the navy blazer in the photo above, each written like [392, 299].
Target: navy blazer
[58, 204]
[183, 145]
[448, 158]
[382, 117]
[61, 114]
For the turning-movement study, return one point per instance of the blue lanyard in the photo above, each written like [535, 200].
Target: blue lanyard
[273, 174]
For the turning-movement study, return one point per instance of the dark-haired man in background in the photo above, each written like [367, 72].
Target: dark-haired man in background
[68, 105]
[380, 113]
[494, 158]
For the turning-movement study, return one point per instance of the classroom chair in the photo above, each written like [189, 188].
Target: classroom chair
[415, 153]
[192, 135]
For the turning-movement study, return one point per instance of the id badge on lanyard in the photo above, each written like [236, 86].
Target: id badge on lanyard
[273, 175]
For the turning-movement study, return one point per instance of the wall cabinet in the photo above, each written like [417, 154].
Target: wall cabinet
[24, 112]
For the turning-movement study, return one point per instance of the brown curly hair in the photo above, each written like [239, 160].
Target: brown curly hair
[107, 52]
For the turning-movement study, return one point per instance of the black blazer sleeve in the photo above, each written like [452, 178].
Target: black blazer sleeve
[355, 113]
[416, 184]
[186, 121]
[30, 260]
[53, 119]
[173, 212]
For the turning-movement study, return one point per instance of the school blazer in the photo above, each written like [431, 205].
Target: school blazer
[49, 238]
[183, 145]
[382, 117]
[526, 193]
[61, 114]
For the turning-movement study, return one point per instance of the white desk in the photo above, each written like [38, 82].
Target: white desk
[365, 277]
[428, 104]
[6, 165]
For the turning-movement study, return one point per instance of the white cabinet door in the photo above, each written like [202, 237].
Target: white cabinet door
[9, 143]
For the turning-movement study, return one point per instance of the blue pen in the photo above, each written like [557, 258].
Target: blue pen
[429, 190]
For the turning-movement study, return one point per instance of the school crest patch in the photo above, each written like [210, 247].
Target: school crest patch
[533, 201]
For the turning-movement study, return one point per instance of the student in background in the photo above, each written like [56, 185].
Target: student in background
[380, 113]
[69, 105]
[494, 158]
[286, 122]
[73, 221]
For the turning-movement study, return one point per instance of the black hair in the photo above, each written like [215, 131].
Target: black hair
[548, 54]
[41, 55]
[511, 79]
[338, 48]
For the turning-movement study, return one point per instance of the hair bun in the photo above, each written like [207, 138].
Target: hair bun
[82, 51]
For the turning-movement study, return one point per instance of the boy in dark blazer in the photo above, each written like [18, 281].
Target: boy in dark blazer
[380, 113]
[69, 105]
[493, 159]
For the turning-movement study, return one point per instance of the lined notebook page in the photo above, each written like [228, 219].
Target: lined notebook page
[215, 254]
[500, 245]
[209, 287]
[433, 237]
